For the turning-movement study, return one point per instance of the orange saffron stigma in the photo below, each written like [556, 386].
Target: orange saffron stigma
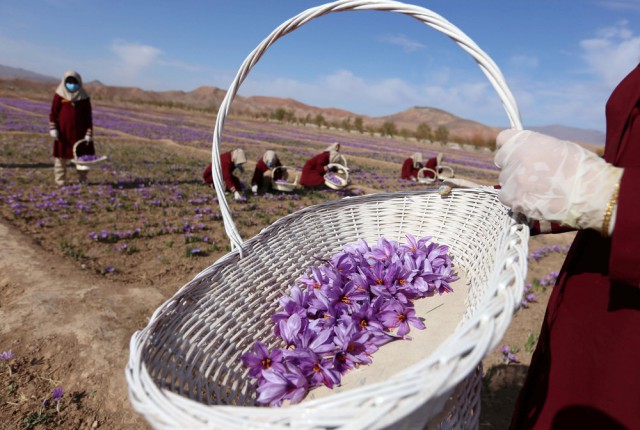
[402, 317]
[363, 323]
[316, 367]
[402, 281]
[266, 363]
[345, 299]
[379, 281]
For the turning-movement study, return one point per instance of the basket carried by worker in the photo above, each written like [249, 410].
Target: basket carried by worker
[185, 370]
[337, 176]
[429, 176]
[285, 184]
[84, 155]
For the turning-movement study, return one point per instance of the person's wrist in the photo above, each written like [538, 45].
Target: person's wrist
[608, 219]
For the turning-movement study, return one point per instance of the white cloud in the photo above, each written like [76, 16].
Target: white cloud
[407, 45]
[621, 5]
[134, 58]
[613, 53]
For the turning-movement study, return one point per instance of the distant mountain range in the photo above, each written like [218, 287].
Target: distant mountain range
[211, 97]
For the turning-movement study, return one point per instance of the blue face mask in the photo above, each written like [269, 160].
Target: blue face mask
[240, 168]
[72, 87]
[269, 164]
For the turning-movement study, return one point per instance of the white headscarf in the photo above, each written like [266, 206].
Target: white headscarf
[417, 160]
[63, 92]
[269, 157]
[238, 157]
[335, 146]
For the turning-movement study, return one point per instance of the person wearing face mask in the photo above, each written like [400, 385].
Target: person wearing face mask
[261, 179]
[315, 168]
[70, 120]
[229, 161]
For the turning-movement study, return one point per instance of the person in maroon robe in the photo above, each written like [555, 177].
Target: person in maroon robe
[267, 162]
[411, 167]
[585, 371]
[70, 121]
[316, 167]
[229, 161]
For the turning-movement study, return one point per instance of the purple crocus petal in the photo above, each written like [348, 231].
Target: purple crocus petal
[290, 328]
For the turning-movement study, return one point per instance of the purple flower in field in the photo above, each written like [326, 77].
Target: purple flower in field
[508, 355]
[261, 359]
[109, 269]
[278, 386]
[6, 356]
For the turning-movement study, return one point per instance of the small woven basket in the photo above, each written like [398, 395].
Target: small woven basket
[286, 186]
[184, 368]
[339, 179]
[84, 164]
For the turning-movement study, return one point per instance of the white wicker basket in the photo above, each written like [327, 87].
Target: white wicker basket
[339, 179]
[286, 186]
[84, 164]
[184, 369]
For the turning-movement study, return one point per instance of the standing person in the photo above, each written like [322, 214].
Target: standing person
[315, 168]
[411, 167]
[260, 178]
[585, 371]
[229, 161]
[70, 120]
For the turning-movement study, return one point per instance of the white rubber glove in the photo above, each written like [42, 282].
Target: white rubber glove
[54, 133]
[555, 180]
[88, 138]
[254, 189]
[237, 196]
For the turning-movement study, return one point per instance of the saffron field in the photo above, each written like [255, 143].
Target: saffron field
[147, 222]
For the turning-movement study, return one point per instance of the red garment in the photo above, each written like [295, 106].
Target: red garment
[585, 372]
[313, 170]
[408, 171]
[231, 182]
[261, 168]
[74, 121]
[432, 163]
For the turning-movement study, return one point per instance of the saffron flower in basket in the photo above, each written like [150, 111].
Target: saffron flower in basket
[89, 158]
[333, 178]
[337, 315]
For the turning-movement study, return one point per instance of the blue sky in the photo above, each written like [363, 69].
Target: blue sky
[561, 58]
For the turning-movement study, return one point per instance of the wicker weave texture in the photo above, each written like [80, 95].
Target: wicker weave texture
[193, 343]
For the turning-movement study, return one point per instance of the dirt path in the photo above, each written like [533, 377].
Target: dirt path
[76, 324]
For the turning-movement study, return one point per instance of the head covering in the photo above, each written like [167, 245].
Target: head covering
[335, 146]
[417, 160]
[269, 157]
[238, 157]
[335, 157]
[63, 92]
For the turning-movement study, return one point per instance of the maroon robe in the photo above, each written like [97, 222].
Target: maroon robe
[74, 121]
[408, 171]
[231, 182]
[261, 168]
[313, 170]
[585, 372]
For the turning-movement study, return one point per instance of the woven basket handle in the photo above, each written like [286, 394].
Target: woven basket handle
[430, 18]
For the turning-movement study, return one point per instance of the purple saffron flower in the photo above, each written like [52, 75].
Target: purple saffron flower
[261, 359]
[57, 394]
[278, 386]
[396, 315]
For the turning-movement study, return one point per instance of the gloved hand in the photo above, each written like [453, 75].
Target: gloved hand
[54, 133]
[554, 180]
[237, 196]
[254, 189]
[88, 138]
